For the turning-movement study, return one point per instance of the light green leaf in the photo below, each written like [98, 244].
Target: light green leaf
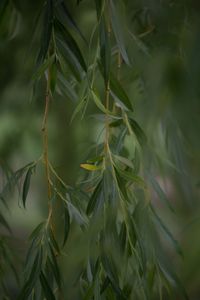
[90, 167]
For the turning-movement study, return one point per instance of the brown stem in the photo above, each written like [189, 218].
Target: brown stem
[45, 146]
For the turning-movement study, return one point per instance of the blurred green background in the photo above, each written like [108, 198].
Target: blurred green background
[164, 86]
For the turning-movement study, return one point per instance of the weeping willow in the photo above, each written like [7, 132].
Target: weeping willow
[110, 240]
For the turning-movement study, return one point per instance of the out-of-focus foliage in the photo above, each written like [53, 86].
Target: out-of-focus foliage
[115, 189]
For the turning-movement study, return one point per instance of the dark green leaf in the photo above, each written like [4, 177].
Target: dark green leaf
[34, 275]
[66, 18]
[36, 231]
[26, 186]
[46, 288]
[99, 8]
[47, 30]
[70, 59]
[105, 50]
[138, 132]
[94, 198]
[53, 76]
[66, 224]
[112, 275]
[53, 241]
[119, 92]
[78, 216]
[71, 43]
[55, 268]
[4, 223]
[122, 236]
[42, 68]
[128, 176]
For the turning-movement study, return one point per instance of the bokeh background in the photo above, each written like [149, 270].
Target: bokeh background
[164, 86]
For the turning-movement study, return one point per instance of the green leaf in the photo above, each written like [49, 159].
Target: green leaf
[124, 161]
[36, 231]
[99, 104]
[34, 275]
[46, 288]
[138, 132]
[161, 194]
[71, 43]
[173, 280]
[66, 224]
[167, 232]
[119, 92]
[78, 216]
[52, 240]
[117, 29]
[94, 198]
[47, 30]
[122, 236]
[66, 18]
[55, 268]
[140, 44]
[26, 186]
[66, 88]
[42, 68]
[105, 51]
[70, 59]
[112, 274]
[4, 223]
[128, 176]
[99, 8]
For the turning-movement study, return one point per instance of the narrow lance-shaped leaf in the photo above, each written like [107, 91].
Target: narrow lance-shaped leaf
[55, 268]
[46, 288]
[90, 167]
[26, 186]
[66, 224]
[53, 241]
[105, 50]
[70, 41]
[161, 194]
[94, 198]
[99, 104]
[117, 28]
[4, 222]
[42, 68]
[141, 137]
[128, 176]
[173, 280]
[53, 76]
[47, 30]
[70, 59]
[99, 8]
[34, 275]
[168, 233]
[119, 92]
[66, 18]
